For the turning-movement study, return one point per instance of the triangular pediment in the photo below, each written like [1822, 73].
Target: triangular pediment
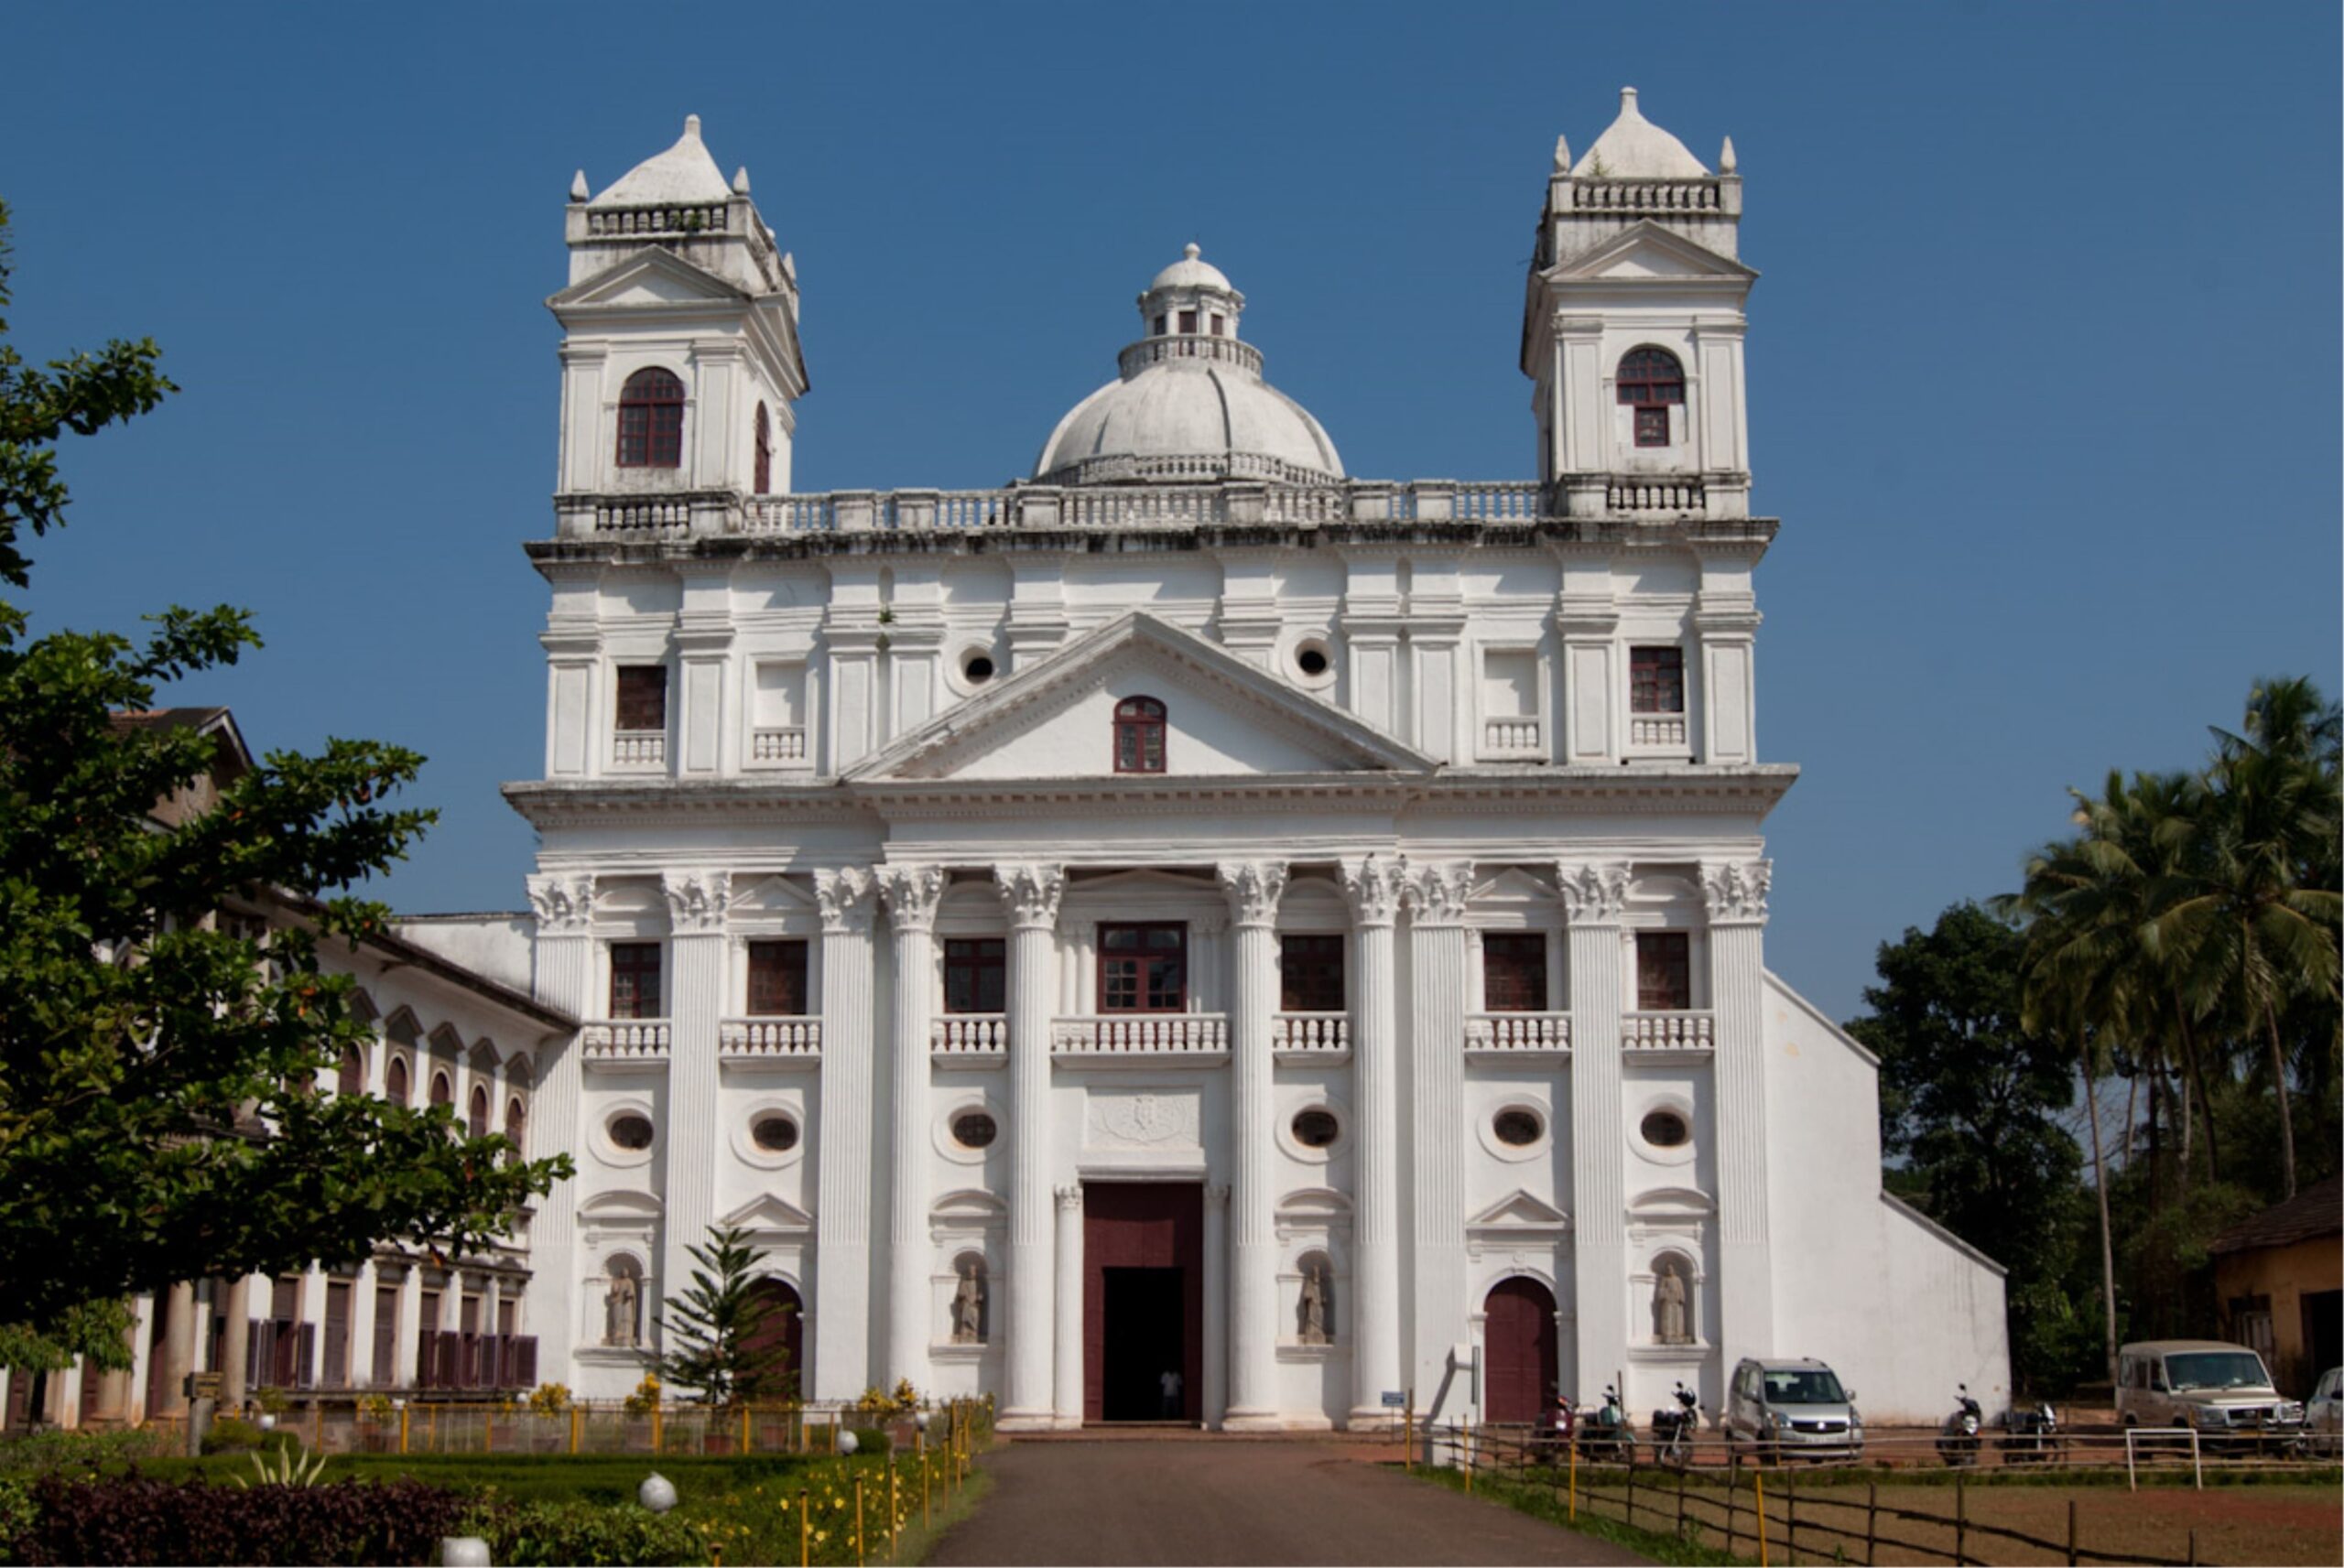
[1646, 250]
[1520, 1211]
[649, 277]
[769, 1215]
[1223, 718]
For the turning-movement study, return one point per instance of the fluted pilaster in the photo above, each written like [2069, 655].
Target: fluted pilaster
[1373, 887]
[563, 955]
[1215, 1404]
[690, 1143]
[840, 1352]
[1068, 1379]
[1029, 895]
[1593, 897]
[912, 894]
[1736, 893]
[1437, 893]
[1253, 888]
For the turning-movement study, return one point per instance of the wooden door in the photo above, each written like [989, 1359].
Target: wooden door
[1150, 1225]
[784, 1326]
[1518, 1351]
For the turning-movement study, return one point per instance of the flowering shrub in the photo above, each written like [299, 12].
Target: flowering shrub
[646, 1398]
[373, 1409]
[552, 1398]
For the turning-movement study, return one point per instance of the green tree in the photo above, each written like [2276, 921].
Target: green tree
[158, 1117]
[1969, 1098]
[717, 1331]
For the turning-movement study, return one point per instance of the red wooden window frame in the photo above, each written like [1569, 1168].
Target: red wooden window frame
[1311, 973]
[516, 1123]
[1187, 323]
[476, 1122]
[976, 974]
[1514, 971]
[1143, 967]
[394, 1085]
[651, 420]
[1664, 971]
[778, 979]
[443, 1088]
[351, 1078]
[642, 698]
[1657, 680]
[1139, 735]
[763, 478]
[635, 980]
[1650, 381]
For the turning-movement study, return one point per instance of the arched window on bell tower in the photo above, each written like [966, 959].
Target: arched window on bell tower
[651, 420]
[762, 478]
[1651, 382]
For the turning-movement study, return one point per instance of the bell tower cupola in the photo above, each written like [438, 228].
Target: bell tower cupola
[681, 365]
[1633, 325]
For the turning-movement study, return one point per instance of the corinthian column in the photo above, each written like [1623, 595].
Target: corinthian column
[696, 902]
[1253, 888]
[912, 894]
[840, 1353]
[1736, 893]
[563, 956]
[1437, 893]
[1029, 895]
[1069, 1375]
[1373, 886]
[1592, 899]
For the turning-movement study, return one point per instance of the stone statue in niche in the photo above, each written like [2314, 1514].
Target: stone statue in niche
[1315, 1308]
[623, 1310]
[969, 1305]
[1669, 1323]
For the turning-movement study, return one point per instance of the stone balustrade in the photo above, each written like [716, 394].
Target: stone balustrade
[1517, 1034]
[624, 1042]
[969, 1039]
[678, 218]
[1641, 196]
[769, 1041]
[1675, 1031]
[777, 746]
[1510, 736]
[639, 749]
[1624, 497]
[1313, 1036]
[1666, 730]
[1154, 1035]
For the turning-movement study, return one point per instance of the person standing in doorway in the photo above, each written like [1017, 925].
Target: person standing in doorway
[1170, 1383]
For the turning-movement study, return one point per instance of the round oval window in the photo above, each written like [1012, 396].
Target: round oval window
[974, 1129]
[1516, 1129]
[630, 1130]
[1311, 660]
[1317, 1129]
[977, 669]
[774, 1134]
[1665, 1130]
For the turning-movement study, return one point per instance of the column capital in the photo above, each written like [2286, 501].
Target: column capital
[1593, 895]
[845, 896]
[912, 894]
[1436, 890]
[1253, 889]
[1373, 886]
[1736, 891]
[1069, 1199]
[697, 901]
[1030, 893]
[563, 902]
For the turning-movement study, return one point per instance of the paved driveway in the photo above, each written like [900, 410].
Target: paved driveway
[1238, 1502]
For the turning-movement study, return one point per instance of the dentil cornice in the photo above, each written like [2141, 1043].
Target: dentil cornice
[912, 894]
[1253, 889]
[1736, 891]
[564, 905]
[845, 897]
[1593, 895]
[1030, 893]
[1436, 890]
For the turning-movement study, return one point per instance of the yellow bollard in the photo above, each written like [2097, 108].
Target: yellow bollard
[804, 1533]
[895, 1511]
[858, 1522]
[1408, 1437]
[431, 1427]
[577, 1420]
[744, 1429]
[926, 1520]
[404, 1413]
[1758, 1483]
[658, 1431]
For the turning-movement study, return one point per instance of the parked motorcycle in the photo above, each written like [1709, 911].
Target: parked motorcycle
[1608, 1435]
[2029, 1436]
[1550, 1439]
[1958, 1437]
[1673, 1430]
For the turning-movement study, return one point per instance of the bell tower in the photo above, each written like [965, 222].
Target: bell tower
[680, 357]
[1633, 325]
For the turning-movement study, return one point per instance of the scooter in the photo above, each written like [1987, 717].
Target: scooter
[1608, 1434]
[1673, 1430]
[2029, 1436]
[1550, 1439]
[1958, 1437]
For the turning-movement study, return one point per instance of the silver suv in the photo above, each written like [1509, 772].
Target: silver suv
[2222, 1390]
[1793, 1409]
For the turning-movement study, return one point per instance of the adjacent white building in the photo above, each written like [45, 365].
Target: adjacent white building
[1194, 911]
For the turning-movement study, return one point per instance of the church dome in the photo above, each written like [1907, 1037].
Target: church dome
[1636, 149]
[1190, 403]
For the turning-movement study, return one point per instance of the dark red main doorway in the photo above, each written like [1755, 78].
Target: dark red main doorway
[1143, 1299]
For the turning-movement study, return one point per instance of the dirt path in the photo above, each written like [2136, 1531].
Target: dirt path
[1172, 1502]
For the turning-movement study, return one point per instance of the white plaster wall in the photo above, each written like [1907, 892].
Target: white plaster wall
[495, 946]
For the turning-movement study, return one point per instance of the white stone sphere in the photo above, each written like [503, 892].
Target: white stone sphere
[464, 1552]
[848, 1443]
[657, 1493]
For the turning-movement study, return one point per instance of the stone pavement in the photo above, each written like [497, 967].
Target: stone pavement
[1173, 1502]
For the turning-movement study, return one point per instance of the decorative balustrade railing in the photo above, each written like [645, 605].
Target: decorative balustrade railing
[690, 218]
[624, 1042]
[1310, 1033]
[1656, 495]
[772, 1040]
[1510, 735]
[1675, 1031]
[1225, 351]
[1525, 1033]
[1155, 1034]
[963, 1036]
[778, 745]
[639, 749]
[1656, 730]
[1625, 196]
[646, 518]
[1500, 503]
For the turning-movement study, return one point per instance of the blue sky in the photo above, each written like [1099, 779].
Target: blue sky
[2043, 361]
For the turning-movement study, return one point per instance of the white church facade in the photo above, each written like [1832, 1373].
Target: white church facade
[1193, 911]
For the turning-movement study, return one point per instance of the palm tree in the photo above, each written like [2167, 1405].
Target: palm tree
[2244, 896]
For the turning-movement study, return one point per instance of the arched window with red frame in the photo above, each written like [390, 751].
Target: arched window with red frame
[1139, 735]
[478, 1120]
[763, 476]
[394, 1082]
[350, 1080]
[1651, 382]
[651, 420]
